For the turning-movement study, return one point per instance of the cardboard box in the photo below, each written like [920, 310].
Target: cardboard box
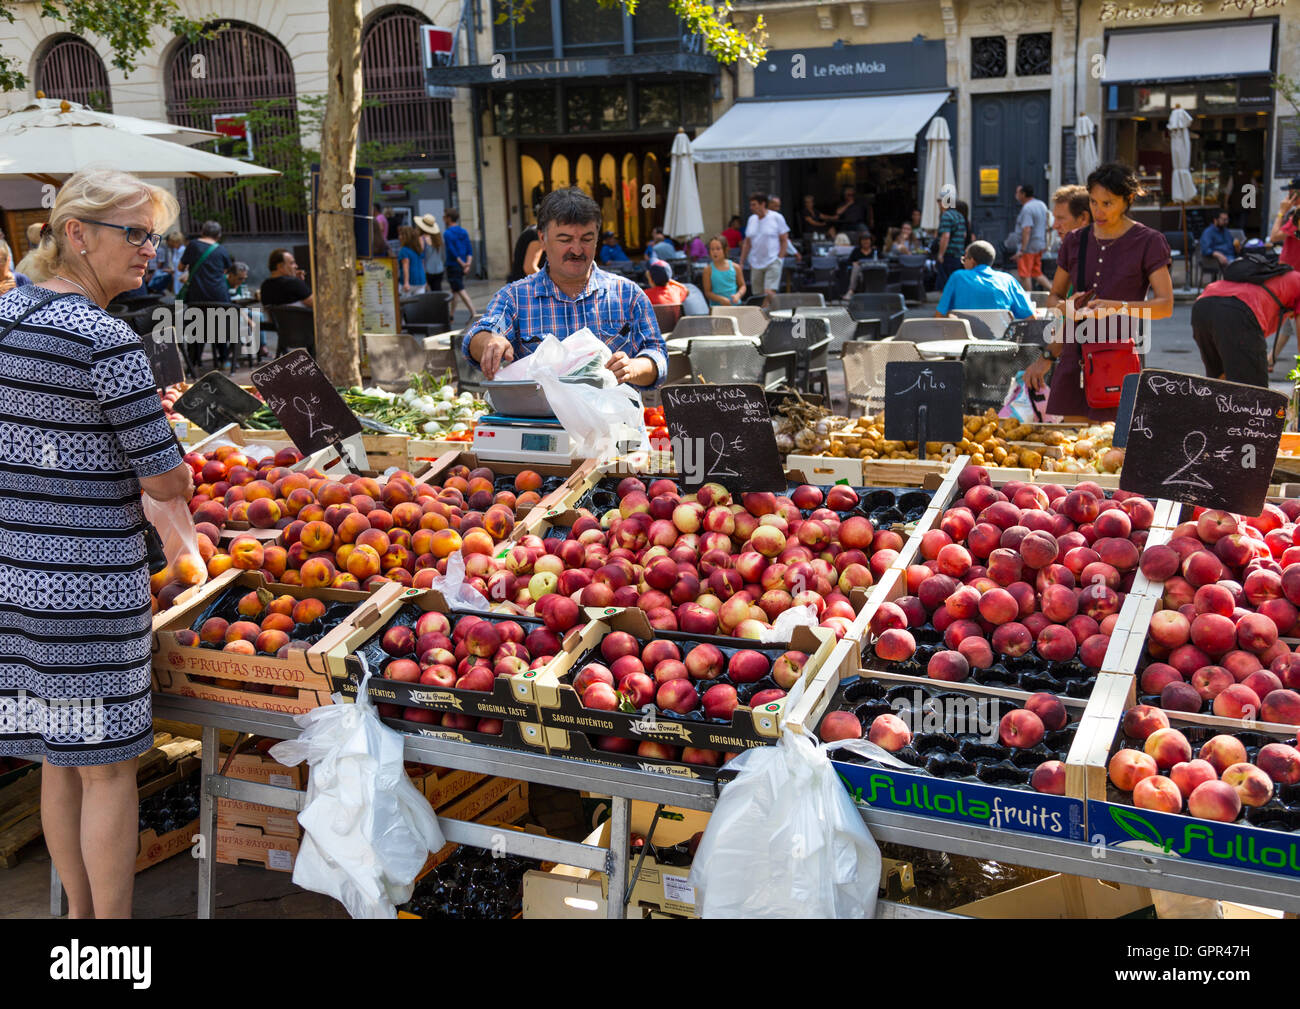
[497, 801]
[253, 765]
[251, 846]
[1061, 896]
[183, 669]
[268, 819]
[442, 784]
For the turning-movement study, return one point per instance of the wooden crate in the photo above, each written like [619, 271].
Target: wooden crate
[1061, 896]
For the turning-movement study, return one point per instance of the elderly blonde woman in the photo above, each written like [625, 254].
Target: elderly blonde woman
[83, 433]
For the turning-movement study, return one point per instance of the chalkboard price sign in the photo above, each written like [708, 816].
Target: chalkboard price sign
[310, 408]
[1202, 441]
[923, 401]
[214, 401]
[164, 357]
[1124, 415]
[723, 434]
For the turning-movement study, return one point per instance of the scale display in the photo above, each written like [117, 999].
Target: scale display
[538, 442]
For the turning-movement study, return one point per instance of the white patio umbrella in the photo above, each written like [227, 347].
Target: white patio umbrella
[1085, 149]
[38, 111]
[682, 217]
[50, 144]
[938, 171]
[1182, 189]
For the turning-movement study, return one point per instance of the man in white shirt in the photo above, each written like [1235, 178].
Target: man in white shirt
[1031, 223]
[767, 237]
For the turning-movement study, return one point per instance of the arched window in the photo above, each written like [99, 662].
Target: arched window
[241, 66]
[69, 68]
[392, 72]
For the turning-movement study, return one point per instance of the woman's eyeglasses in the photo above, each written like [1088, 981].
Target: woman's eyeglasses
[134, 236]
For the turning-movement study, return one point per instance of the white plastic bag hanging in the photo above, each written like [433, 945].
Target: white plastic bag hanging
[453, 588]
[367, 828]
[596, 417]
[175, 528]
[785, 841]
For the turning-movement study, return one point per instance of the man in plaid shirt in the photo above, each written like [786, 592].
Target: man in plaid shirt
[569, 293]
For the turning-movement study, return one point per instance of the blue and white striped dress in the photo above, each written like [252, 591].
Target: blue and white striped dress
[80, 422]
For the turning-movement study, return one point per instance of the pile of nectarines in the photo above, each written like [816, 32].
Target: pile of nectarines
[1023, 568]
[1214, 782]
[1230, 591]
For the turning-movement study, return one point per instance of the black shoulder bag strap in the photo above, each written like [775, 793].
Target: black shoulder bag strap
[1080, 285]
[1281, 308]
[54, 296]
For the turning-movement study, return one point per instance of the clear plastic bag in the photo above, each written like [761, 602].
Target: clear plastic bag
[596, 417]
[367, 828]
[175, 528]
[785, 841]
[453, 588]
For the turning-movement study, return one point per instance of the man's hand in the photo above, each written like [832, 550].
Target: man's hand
[633, 370]
[495, 353]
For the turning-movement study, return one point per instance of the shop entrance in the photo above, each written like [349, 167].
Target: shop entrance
[615, 174]
[886, 185]
[1009, 137]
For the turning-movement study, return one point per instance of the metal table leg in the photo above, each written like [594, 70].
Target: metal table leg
[207, 839]
[620, 819]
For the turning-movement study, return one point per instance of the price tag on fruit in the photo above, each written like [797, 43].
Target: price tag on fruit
[1202, 441]
[214, 401]
[923, 401]
[310, 408]
[723, 434]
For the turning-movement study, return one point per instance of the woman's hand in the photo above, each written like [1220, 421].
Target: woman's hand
[1036, 373]
[735, 299]
[176, 482]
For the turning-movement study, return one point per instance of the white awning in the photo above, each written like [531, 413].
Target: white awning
[818, 128]
[1226, 50]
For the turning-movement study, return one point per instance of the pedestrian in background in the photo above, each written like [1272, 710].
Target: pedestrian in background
[460, 258]
[951, 242]
[435, 256]
[9, 278]
[733, 233]
[767, 238]
[1031, 223]
[1217, 241]
[1070, 211]
[724, 281]
[1286, 229]
[410, 260]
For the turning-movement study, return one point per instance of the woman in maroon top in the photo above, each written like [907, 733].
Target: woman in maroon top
[1124, 263]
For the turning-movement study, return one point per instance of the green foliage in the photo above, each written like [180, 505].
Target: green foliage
[126, 25]
[722, 39]
[278, 127]
[1288, 88]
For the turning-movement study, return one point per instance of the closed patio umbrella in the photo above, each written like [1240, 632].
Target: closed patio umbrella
[1085, 149]
[938, 171]
[682, 216]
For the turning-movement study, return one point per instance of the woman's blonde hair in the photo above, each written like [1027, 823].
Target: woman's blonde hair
[90, 194]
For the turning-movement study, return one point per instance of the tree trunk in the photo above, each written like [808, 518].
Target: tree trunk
[337, 345]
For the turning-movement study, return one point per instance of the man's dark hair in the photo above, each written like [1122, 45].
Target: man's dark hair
[277, 257]
[1027, 190]
[735, 219]
[981, 253]
[452, 213]
[758, 197]
[567, 206]
[210, 229]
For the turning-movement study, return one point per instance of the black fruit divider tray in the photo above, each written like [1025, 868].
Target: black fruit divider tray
[506, 481]
[225, 606]
[962, 756]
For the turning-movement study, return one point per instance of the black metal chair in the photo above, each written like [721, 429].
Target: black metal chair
[724, 360]
[1209, 270]
[809, 338]
[872, 277]
[468, 376]
[822, 275]
[1028, 332]
[195, 333]
[889, 309]
[295, 326]
[911, 277]
[989, 369]
[427, 314]
[667, 316]
[797, 299]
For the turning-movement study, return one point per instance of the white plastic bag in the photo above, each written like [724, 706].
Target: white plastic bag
[453, 588]
[787, 620]
[1025, 404]
[785, 841]
[367, 828]
[596, 417]
[175, 528]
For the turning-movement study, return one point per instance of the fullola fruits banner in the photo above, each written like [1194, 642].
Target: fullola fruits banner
[1225, 844]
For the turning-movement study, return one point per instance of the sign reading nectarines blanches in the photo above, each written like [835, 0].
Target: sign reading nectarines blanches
[723, 434]
[1202, 441]
[302, 398]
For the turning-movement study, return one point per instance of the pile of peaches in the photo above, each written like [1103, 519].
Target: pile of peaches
[1025, 568]
[1231, 587]
[702, 563]
[353, 532]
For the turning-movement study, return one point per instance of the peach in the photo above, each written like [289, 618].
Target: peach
[245, 629]
[948, 665]
[1252, 785]
[1237, 701]
[1214, 800]
[1214, 634]
[1128, 767]
[1141, 720]
[1180, 696]
[1012, 639]
[747, 666]
[895, 645]
[998, 606]
[1049, 778]
[1188, 774]
[1280, 762]
[1222, 751]
[1211, 681]
[1156, 675]
[1168, 747]
[1202, 568]
[277, 622]
[1021, 729]
[977, 652]
[889, 732]
[840, 725]
[1254, 633]
[1049, 709]
[677, 695]
[1158, 563]
[1158, 793]
[1281, 707]
[213, 630]
[240, 646]
[1055, 643]
[1170, 628]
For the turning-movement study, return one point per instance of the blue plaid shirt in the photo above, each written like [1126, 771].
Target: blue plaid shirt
[528, 309]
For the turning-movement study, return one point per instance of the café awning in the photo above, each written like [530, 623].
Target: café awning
[1179, 54]
[818, 128]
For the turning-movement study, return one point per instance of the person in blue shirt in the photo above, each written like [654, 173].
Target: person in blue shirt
[571, 292]
[410, 259]
[1217, 241]
[661, 248]
[611, 251]
[460, 257]
[977, 285]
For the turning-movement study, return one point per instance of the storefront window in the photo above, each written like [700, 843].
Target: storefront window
[590, 110]
[503, 113]
[1184, 100]
[528, 38]
[613, 111]
[1151, 101]
[535, 112]
[697, 100]
[657, 105]
[1222, 93]
[1255, 91]
[655, 28]
[591, 30]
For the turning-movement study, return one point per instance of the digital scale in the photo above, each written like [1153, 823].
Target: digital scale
[521, 439]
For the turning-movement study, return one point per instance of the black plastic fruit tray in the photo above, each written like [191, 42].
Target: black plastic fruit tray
[473, 885]
[1282, 812]
[173, 807]
[882, 505]
[506, 481]
[963, 756]
[1029, 672]
[226, 607]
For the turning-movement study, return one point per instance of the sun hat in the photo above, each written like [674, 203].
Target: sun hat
[428, 224]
